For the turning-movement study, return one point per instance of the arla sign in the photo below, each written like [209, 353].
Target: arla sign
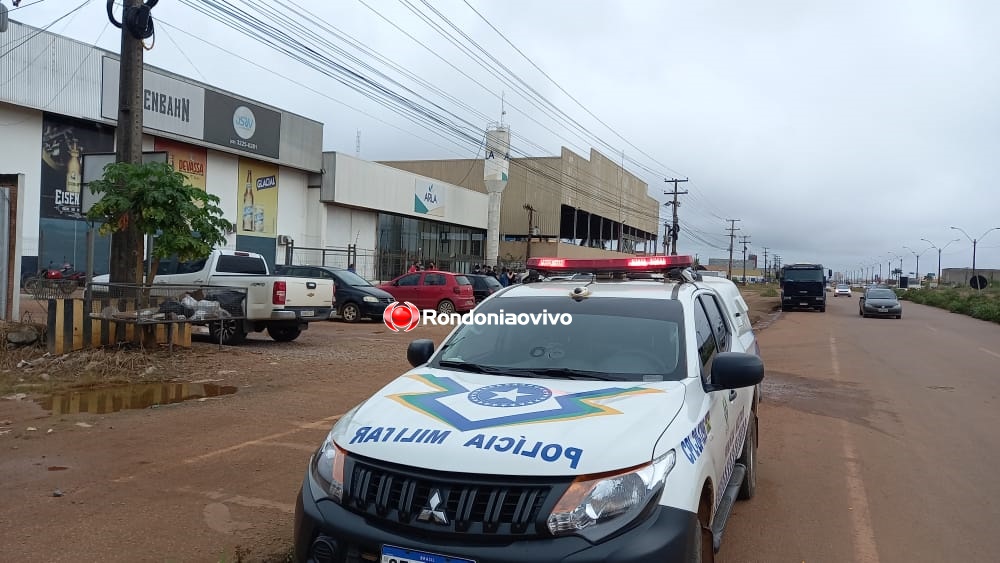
[429, 198]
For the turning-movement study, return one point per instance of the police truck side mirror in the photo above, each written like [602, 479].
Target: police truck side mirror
[419, 351]
[735, 370]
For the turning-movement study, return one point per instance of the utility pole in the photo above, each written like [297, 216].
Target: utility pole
[744, 242]
[531, 228]
[765, 265]
[732, 237]
[666, 235]
[675, 229]
[136, 25]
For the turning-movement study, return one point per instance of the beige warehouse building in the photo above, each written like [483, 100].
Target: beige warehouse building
[566, 205]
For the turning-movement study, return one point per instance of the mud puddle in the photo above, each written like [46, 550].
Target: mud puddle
[114, 399]
[824, 397]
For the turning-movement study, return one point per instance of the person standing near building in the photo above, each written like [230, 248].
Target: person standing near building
[505, 277]
[413, 267]
[350, 268]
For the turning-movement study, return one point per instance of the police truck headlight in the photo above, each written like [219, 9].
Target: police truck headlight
[593, 500]
[370, 299]
[328, 468]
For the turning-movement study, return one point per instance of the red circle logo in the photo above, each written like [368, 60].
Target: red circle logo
[401, 317]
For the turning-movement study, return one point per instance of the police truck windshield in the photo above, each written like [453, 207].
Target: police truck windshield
[608, 339]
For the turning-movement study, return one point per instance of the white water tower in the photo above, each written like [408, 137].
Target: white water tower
[495, 169]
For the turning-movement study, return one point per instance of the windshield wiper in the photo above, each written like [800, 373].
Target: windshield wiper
[468, 366]
[567, 373]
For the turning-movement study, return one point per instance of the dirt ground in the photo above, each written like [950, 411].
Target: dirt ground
[212, 478]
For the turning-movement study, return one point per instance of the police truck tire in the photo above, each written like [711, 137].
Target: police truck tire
[749, 460]
[704, 545]
[350, 313]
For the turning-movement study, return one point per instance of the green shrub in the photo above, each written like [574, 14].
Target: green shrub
[984, 306]
[986, 309]
[769, 292]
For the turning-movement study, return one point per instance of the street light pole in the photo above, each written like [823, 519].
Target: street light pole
[939, 251]
[974, 242]
[919, 278]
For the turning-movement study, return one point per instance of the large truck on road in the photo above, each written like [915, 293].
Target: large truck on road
[803, 286]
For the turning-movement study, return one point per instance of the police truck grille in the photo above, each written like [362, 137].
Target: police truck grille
[449, 503]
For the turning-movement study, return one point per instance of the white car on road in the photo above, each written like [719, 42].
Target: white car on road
[842, 289]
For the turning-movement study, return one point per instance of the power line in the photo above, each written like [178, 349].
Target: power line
[563, 90]
[42, 30]
[309, 55]
[305, 86]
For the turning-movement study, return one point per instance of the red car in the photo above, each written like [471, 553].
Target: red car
[445, 291]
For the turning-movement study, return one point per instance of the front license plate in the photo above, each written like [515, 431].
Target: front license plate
[307, 313]
[803, 304]
[391, 554]
[883, 310]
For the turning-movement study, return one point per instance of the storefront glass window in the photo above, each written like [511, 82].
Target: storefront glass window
[403, 240]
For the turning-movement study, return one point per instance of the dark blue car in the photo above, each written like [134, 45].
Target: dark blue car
[356, 297]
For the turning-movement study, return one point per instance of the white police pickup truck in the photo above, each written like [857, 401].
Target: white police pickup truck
[625, 435]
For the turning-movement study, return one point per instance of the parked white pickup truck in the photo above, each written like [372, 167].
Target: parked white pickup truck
[282, 305]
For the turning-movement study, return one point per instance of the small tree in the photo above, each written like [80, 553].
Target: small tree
[187, 221]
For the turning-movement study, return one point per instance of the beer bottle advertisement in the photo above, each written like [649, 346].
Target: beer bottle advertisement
[64, 142]
[187, 159]
[257, 197]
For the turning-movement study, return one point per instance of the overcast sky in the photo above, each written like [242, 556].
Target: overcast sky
[835, 132]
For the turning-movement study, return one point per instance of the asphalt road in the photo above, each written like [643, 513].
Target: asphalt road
[879, 440]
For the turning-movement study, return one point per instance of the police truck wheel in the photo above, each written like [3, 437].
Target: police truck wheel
[704, 547]
[446, 307]
[350, 313]
[749, 460]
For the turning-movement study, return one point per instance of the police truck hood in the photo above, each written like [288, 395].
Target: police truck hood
[478, 423]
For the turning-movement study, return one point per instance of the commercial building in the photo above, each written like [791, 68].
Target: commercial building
[58, 110]
[281, 192]
[391, 218]
[566, 205]
[963, 276]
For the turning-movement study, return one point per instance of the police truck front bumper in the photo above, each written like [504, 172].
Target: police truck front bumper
[327, 532]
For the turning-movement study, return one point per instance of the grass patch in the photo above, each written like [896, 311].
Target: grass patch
[983, 305]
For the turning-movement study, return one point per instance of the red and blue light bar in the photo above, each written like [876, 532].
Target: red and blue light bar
[631, 264]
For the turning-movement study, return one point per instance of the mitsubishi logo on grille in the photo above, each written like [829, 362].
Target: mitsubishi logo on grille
[434, 512]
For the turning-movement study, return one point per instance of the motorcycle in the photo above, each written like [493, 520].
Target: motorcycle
[65, 279]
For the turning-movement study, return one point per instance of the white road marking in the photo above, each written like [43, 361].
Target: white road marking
[857, 499]
[929, 327]
[263, 440]
[990, 352]
[292, 445]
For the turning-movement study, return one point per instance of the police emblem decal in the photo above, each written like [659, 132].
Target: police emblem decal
[509, 395]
